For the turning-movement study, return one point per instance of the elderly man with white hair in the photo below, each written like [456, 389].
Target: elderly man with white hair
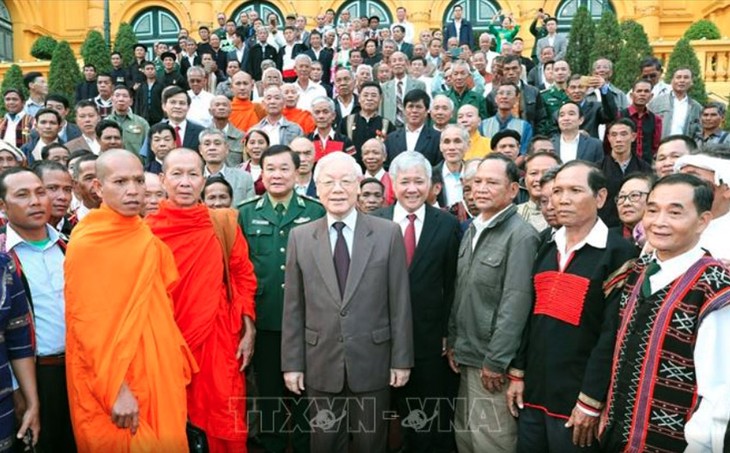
[431, 237]
[308, 90]
[325, 138]
[280, 130]
[200, 99]
[347, 330]
[712, 165]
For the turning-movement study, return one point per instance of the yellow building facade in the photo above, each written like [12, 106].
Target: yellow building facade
[22, 21]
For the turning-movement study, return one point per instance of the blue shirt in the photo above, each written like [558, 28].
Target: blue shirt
[43, 269]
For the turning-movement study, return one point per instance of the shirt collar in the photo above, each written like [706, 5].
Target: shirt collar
[417, 131]
[482, 224]
[681, 262]
[13, 238]
[379, 175]
[265, 122]
[285, 202]
[349, 221]
[598, 238]
[400, 214]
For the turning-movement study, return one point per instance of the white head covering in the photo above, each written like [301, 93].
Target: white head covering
[721, 167]
[12, 149]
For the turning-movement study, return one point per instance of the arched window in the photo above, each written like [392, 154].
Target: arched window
[358, 8]
[6, 33]
[478, 12]
[568, 8]
[262, 8]
[156, 24]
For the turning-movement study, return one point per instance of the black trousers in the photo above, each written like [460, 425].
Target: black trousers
[282, 413]
[538, 432]
[426, 406]
[56, 429]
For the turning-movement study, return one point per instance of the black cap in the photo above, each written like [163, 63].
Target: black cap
[502, 134]
[139, 44]
[168, 55]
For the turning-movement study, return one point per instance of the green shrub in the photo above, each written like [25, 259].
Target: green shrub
[702, 29]
[64, 73]
[43, 47]
[95, 51]
[636, 48]
[124, 42]
[606, 44]
[13, 79]
[580, 41]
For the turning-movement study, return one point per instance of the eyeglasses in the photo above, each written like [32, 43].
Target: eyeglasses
[633, 197]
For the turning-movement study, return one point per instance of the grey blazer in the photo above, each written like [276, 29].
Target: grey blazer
[589, 148]
[560, 45]
[662, 106]
[241, 182]
[358, 337]
[387, 107]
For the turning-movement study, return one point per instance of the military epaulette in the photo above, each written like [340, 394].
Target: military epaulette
[250, 200]
[308, 198]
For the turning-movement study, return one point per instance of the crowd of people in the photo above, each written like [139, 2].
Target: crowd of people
[289, 236]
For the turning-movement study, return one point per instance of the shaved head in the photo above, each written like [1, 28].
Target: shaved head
[171, 156]
[120, 181]
[113, 157]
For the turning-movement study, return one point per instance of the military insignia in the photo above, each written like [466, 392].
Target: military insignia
[135, 129]
[260, 222]
[302, 220]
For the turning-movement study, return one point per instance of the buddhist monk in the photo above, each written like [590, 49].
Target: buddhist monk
[244, 113]
[214, 303]
[127, 362]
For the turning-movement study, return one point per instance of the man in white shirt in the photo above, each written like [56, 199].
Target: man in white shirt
[680, 113]
[199, 98]
[402, 20]
[308, 91]
[570, 144]
[672, 332]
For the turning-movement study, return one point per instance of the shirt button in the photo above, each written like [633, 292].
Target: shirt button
[282, 267]
[282, 250]
[343, 313]
[282, 285]
[282, 233]
[340, 339]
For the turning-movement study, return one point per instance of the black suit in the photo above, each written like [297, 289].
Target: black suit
[531, 106]
[595, 113]
[152, 110]
[427, 144]
[192, 132]
[338, 111]
[243, 62]
[407, 49]
[258, 54]
[185, 65]
[325, 58]
[432, 277]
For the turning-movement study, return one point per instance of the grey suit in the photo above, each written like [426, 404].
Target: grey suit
[387, 107]
[560, 44]
[346, 346]
[662, 106]
[234, 138]
[589, 148]
[241, 183]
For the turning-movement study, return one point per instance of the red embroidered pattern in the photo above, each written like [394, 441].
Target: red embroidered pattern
[561, 296]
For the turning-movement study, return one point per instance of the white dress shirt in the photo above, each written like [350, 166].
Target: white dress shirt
[182, 125]
[272, 130]
[346, 109]
[679, 116]
[348, 232]
[412, 138]
[93, 143]
[10, 127]
[308, 94]
[199, 111]
[569, 149]
[400, 216]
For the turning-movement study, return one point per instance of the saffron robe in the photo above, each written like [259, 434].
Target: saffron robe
[210, 321]
[245, 114]
[120, 328]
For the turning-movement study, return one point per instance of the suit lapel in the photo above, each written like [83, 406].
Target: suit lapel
[323, 257]
[362, 247]
[427, 233]
[581, 148]
[423, 138]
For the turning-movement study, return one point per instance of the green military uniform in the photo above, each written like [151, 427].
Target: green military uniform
[134, 130]
[472, 97]
[267, 233]
[553, 98]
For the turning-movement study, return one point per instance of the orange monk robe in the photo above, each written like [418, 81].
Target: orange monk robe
[245, 114]
[120, 328]
[301, 117]
[211, 324]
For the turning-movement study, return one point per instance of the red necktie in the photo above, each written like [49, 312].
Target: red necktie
[178, 140]
[410, 238]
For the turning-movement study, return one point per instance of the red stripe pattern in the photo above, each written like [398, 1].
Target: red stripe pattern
[561, 296]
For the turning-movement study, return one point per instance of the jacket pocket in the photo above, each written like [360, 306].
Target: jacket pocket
[491, 269]
[381, 335]
[311, 337]
[262, 239]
